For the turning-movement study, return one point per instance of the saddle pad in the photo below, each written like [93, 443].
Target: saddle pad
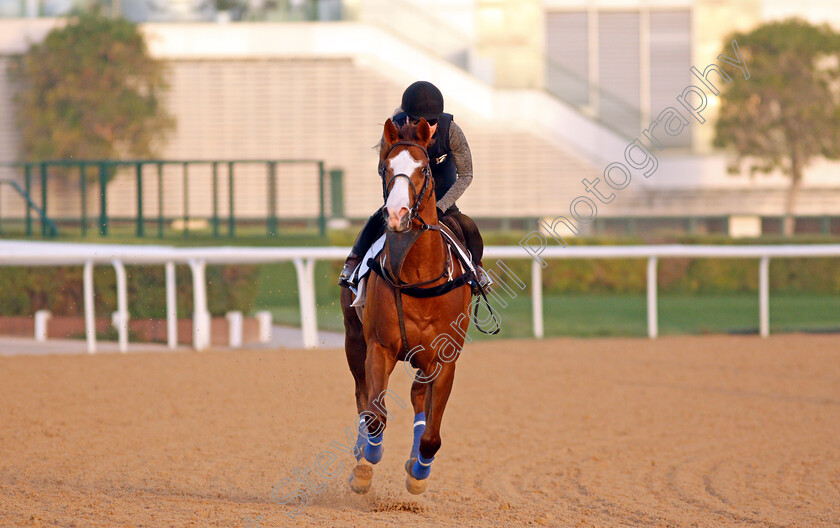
[358, 277]
[362, 270]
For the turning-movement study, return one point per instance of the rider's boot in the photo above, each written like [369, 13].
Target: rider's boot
[350, 265]
[484, 280]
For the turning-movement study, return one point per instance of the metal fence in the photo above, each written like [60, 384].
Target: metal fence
[159, 195]
[89, 255]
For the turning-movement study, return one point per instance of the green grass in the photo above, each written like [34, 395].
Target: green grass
[626, 315]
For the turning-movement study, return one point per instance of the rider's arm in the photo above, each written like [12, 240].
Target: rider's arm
[463, 164]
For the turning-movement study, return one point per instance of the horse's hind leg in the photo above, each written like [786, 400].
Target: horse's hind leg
[356, 350]
[436, 399]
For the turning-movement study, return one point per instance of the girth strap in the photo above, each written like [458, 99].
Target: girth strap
[401, 318]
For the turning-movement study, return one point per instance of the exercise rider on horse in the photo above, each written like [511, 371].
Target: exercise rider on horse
[451, 164]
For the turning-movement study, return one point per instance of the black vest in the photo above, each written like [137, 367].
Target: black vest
[440, 155]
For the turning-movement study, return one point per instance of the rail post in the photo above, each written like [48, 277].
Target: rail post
[215, 199]
[160, 199]
[83, 189]
[653, 323]
[306, 294]
[171, 307]
[122, 305]
[90, 316]
[337, 193]
[231, 219]
[186, 199]
[272, 199]
[43, 199]
[537, 298]
[103, 199]
[201, 316]
[322, 214]
[27, 177]
[764, 296]
[139, 172]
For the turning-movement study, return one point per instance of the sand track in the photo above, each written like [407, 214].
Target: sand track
[681, 431]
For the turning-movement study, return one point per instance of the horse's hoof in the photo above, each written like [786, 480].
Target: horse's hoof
[361, 478]
[414, 486]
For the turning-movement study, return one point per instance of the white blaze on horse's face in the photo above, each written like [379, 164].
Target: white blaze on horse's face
[398, 202]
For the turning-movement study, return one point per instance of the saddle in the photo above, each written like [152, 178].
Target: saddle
[396, 247]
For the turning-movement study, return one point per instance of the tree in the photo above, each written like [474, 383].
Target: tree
[90, 90]
[789, 111]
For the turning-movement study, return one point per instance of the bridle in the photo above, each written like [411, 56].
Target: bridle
[387, 184]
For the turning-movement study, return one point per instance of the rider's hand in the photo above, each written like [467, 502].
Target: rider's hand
[439, 212]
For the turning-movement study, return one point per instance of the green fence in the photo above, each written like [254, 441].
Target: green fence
[160, 195]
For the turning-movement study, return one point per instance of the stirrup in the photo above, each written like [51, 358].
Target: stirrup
[484, 280]
[346, 274]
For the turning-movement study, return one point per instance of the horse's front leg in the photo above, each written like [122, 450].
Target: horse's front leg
[436, 399]
[418, 401]
[378, 367]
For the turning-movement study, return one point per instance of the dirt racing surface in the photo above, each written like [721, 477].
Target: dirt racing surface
[681, 431]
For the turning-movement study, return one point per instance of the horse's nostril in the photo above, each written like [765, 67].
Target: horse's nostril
[397, 215]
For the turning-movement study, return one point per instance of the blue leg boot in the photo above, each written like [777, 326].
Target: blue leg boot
[373, 449]
[361, 440]
[419, 427]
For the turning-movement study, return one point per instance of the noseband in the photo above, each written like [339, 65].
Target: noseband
[427, 177]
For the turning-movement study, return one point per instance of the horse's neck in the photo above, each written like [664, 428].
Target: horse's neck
[425, 260]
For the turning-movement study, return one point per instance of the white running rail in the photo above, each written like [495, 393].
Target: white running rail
[15, 253]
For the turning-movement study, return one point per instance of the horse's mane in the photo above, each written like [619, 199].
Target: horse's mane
[407, 132]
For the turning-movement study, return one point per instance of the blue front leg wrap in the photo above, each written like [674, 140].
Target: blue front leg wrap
[422, 467]
[419, 427]
[361, 440]
[373, 449]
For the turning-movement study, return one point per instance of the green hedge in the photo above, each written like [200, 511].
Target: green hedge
[679, 275]
[26, 290]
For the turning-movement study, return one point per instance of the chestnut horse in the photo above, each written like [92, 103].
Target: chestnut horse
[414, 311]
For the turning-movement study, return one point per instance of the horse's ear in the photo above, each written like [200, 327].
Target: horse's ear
[391, 134]
[424, 133]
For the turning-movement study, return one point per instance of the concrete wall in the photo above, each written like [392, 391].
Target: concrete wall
[322, 91]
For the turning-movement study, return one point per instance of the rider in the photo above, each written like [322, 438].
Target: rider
[451, 164]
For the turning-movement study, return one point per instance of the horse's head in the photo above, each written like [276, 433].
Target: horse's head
[407, 180]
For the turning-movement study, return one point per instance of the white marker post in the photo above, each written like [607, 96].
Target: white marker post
[234, 328]
[41, 319]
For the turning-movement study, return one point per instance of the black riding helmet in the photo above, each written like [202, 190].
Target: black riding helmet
[423, 99]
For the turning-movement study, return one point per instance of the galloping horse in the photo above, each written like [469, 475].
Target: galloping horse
[415, 311]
